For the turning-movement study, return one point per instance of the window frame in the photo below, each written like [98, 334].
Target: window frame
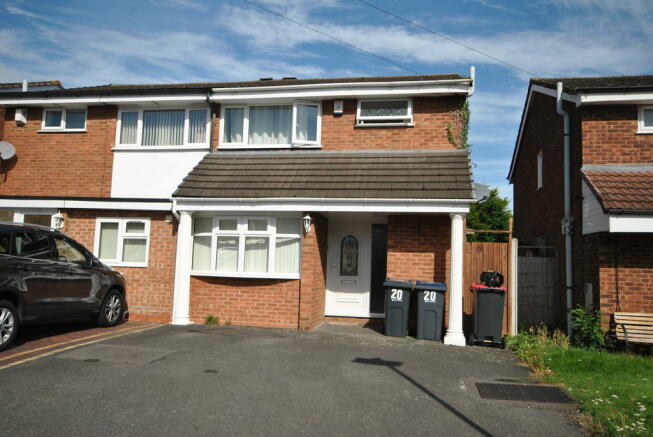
[138, 145]
[641, 128]
[123, 235]
[242, 233]
[62, 126]
[383, 120]
[294, 141]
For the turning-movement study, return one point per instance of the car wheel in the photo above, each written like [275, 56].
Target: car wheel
[112, 309]
[8, 323]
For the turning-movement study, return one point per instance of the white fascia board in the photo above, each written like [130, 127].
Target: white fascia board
[85, 204]
[108, 100]
[393, 89]
[448, 206]
[631, 223]
[553, 93]
[590, 98]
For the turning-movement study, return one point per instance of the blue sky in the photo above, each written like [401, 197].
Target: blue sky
[147, 41]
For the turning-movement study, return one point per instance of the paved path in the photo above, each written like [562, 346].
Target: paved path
[213, 381]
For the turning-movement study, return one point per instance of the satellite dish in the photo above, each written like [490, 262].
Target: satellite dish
[7, 150]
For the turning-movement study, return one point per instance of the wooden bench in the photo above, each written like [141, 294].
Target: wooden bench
[634, 327]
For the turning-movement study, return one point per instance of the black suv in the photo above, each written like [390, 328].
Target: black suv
[47, 276]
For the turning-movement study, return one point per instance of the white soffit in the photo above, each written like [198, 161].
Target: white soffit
[631, 223]
[85, 204]
[638, 97]
[107, 100]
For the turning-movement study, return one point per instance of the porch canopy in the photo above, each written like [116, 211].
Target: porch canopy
[306, 181]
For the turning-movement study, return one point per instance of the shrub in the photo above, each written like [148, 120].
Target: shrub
[211, 320]
[588, 333]
[531, 346]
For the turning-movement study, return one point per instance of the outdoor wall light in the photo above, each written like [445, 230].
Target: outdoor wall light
[57, 220]
[307, 223]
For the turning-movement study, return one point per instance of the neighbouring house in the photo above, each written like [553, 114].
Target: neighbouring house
[611, 184]
[269, 203]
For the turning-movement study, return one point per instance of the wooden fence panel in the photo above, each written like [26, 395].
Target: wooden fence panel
[478, 257]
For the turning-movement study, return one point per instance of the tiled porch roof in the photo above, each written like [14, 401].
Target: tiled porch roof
[622, 188]
[316, 174]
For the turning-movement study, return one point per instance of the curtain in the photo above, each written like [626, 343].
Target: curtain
[306, 123]
[233, 125]
[286, 258]
[108, 241]
[197, 126]
[227, 256]
[270, 124]
[163, 128]
[133, 250]
[202, 253]
[384, 109]
[256, 254]
[128, 127]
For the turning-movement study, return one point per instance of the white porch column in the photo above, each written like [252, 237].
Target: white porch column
[181, 300]
[455, 335]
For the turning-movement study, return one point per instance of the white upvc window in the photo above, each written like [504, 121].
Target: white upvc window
[122, 241]
[645, 122]
[163, 127]
[269, 126]
[247, 246]
[386, 112]
[73, 120]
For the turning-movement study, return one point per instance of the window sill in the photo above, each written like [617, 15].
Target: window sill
[247, 275]
[159, 148]
[645, 132]
[61, 131]
[268, 146]
[116, 264]
[384, 125]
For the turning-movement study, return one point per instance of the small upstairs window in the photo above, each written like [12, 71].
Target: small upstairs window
[64, 119]
[163, 127]
[540, 169]
[645, 119]
[384, 113]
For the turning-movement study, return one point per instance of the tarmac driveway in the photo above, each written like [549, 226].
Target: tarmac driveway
[243, 381]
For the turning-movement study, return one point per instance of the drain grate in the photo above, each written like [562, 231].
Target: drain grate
[520, 392]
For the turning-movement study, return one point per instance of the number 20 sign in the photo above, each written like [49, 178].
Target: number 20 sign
[397, 295]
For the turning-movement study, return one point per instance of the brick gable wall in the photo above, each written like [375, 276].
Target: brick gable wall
[60, 164]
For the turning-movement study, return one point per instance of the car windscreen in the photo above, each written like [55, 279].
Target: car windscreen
[32, 244]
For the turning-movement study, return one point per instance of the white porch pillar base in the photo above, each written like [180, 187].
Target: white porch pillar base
[455, 335]
[181, 300]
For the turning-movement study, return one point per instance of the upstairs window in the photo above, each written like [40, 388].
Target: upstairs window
[64, 119]
[163, 127]
[645, 119]
[384, 113]
[277, 126]
[540, 170]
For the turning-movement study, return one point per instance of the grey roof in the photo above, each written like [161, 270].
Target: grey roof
[601, 83]
[206, 86]
[317, 174]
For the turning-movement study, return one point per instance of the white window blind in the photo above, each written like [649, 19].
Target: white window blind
[163, 128]
[233, 125]
[269, 124]
[306, 122]
[129, 127]
[197, 126]
[122, 241]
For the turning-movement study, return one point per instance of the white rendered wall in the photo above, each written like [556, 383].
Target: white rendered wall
[151, 174]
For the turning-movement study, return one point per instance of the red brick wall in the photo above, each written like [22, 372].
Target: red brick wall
[626, 273]
[431, 116]
[61, 164]
[610, 136]
[269, 302]
[418, 247]
[149, 289]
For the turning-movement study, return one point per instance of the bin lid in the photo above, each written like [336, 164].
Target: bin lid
[485, 287]
[398, 283]
[435, 286]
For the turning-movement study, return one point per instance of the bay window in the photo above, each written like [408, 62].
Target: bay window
[163, 127]
[64, 119]
[270, 126]
[384, 113]
[122, 241]
[247, 246]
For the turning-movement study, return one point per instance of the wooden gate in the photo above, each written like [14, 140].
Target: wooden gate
[481, 256]
[538, 287]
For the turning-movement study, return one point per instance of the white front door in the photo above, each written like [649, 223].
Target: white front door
[348, 269]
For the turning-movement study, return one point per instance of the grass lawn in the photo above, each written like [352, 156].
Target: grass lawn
[614, 389]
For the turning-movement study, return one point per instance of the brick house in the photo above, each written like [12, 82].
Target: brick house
[268, 203]
[611, 184]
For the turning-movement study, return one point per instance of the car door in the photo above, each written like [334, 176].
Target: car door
[31, 260]
[81, 283]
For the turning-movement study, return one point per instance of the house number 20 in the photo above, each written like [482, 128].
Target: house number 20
[397, 295]
[429, 296]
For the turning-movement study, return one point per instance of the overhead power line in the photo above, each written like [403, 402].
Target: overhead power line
[448, 38]
[345, 43]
